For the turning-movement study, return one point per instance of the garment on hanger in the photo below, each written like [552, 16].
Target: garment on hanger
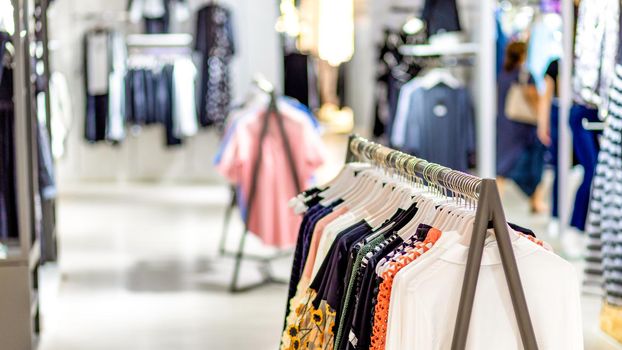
[393, 71]
[62, 113]
[596, 44]
[45, 160]
[161, 92]
[8, 196]
[435, 123]
[604, 225]
[184, 106]
[378, 283]
[270, 218]
[441, 16]
[214, 40]
[97, 68]
[166, 108]
[158, 16]
[115, 128]
[285, 103]
[296, 77]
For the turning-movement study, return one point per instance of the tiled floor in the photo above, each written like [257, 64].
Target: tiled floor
[140, 270]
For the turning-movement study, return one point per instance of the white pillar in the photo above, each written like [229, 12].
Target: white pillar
[564, 161]
[487, 97]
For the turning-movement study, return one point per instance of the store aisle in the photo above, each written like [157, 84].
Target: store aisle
[140, 270]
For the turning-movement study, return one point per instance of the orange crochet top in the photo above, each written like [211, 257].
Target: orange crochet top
[381, 310]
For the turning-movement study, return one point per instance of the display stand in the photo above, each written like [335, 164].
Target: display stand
[240, 255]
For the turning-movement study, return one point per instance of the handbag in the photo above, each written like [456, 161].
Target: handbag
[517, 107]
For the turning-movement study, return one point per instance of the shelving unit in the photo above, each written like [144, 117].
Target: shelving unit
[440, 50]
[19, 282]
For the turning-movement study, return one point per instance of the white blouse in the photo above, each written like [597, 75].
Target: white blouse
[428, 301]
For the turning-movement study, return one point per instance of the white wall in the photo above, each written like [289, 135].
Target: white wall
[144, 157]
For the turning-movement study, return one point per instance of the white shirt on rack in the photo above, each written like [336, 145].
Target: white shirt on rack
[98, 62]
[399, 305]
[184, 107]
[551, 289]
[398, 132]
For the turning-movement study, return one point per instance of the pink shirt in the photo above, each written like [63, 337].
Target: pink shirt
[315, 239]
[270, 217]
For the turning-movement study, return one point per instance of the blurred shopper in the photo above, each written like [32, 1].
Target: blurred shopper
[585, 147]
[520, 155]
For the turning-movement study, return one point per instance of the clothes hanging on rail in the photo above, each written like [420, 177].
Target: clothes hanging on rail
[61, 111]
[137, 90]
[214, 40]
[436, 123]
[595, 48]
[389, 281]
[97, 68]
[270, 218]
[163, 94]
[393, 71]
[296, 82]
[604, 224]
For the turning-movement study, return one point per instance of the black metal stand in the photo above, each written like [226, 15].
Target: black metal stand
[268, 278]
[489, 208]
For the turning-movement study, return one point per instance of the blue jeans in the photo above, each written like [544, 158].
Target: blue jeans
[585, 147]
[554, 156]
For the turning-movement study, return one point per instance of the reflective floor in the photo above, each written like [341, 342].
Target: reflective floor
[140, 270]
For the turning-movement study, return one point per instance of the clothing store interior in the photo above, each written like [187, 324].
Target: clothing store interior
[271, 174]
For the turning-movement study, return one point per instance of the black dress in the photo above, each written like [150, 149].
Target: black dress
[441, 16]
[214, 40]
[8, 199]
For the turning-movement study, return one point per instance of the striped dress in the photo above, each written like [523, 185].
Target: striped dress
[604, 226]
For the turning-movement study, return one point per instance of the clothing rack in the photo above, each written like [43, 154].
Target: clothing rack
[268, 278]
[489, 208]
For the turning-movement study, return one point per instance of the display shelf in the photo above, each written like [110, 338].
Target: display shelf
[159, 40]
[440, 50]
